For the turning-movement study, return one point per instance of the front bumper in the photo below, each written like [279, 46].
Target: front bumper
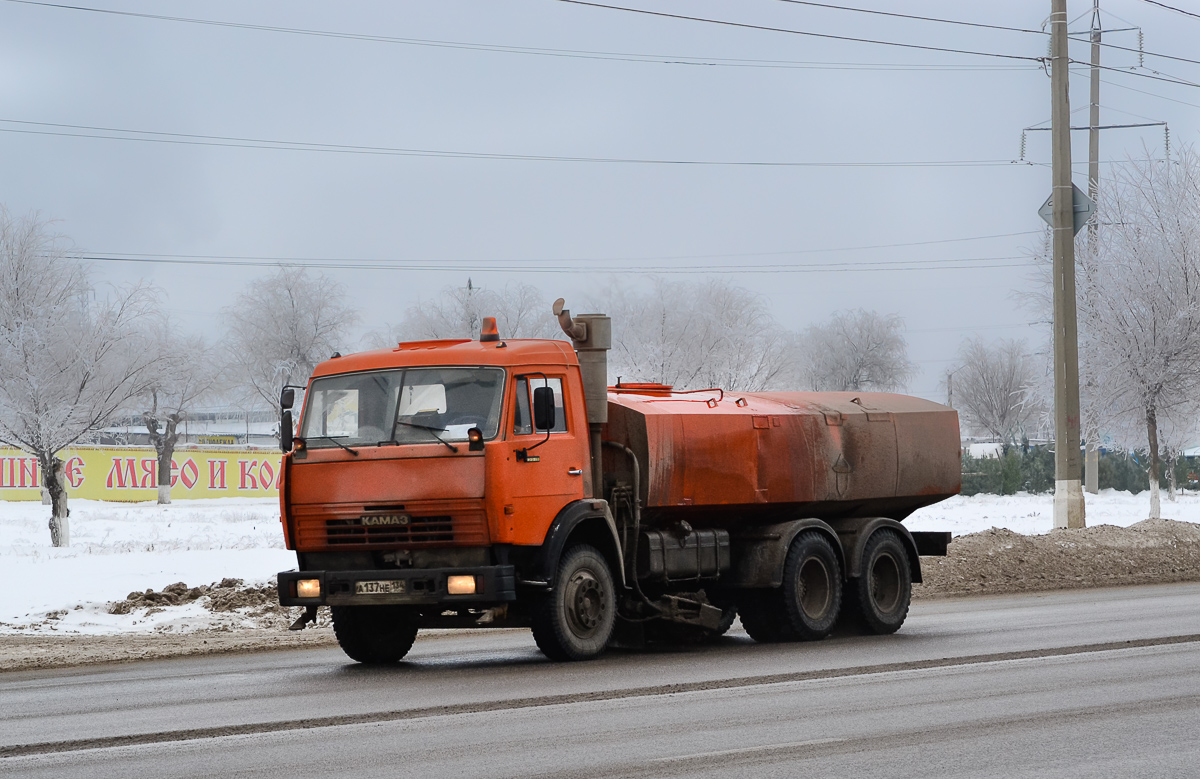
[420, 587]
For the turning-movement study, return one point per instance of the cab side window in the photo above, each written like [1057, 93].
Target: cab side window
[523, 414]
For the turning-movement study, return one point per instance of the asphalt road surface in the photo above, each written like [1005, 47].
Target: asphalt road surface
[1083, 683]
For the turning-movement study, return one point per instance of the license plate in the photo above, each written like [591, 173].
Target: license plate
[385, 587]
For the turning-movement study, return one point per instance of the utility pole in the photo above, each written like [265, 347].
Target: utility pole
[1068, 487]
[1091, 462]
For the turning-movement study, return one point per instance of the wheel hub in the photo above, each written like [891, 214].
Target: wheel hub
[815, 588]
[585, 603]
[885, 583]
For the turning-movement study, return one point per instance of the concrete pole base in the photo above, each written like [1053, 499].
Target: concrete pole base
[1068, 504]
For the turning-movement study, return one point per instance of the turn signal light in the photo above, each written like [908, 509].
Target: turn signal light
[460, 585]
[474, 440]
[308, 588]
[489, 331]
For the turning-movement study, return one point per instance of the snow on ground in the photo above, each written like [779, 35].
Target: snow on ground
[1033, 514]
[118, 548]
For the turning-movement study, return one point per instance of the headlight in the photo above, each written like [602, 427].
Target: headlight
[308, 588]
[460, 585]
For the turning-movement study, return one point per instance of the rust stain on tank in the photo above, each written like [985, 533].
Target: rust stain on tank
[793, 453]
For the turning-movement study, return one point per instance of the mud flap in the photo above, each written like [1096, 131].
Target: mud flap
[309, 615]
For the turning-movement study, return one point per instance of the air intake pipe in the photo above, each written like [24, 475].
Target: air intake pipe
[591, 335]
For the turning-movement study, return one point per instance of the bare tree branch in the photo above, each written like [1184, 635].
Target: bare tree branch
[69, 357]
[857, 350]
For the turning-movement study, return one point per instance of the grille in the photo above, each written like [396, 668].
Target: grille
[444, 523]
[418, 530]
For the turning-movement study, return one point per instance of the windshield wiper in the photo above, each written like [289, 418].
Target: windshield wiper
[333, 438]
[433, 431]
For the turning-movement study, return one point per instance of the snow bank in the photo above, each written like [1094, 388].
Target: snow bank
[118, 548]
[1031, 514]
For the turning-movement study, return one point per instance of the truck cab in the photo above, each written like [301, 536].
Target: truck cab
[419, 479]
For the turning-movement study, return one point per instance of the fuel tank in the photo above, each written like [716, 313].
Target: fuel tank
[726, 459]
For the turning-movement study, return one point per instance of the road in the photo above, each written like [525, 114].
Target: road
[1084, 683]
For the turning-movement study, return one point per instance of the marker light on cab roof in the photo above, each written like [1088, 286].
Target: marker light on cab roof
[488, 331]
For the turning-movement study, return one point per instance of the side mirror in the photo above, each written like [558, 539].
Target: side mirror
[287, 398]
[285, 429]
[543, 408]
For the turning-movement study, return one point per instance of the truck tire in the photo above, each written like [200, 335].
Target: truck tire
[883, 588]
[763, 616]
[374, 634]
[812, 587]
[575, 619]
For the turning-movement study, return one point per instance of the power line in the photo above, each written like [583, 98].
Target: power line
[1151, 94]
[990, 26]
[747, 26]
[1103, 126]
[968, 263]
[634, 56]
[960, 328]
[1139, 51]
[1172, 80]
[914, 18]
[664, 59]
[1171, 8]
[190, 139]
[139, 255]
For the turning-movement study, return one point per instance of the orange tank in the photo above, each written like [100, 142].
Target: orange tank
[725, 459]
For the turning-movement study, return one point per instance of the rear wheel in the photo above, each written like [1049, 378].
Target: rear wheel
[575, 619]
[762, 615]
[374, 634]
[812, 586]
[883, 588]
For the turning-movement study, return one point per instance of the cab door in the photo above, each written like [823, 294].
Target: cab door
[544, 469]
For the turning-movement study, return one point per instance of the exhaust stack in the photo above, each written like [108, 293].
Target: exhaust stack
[591, 335]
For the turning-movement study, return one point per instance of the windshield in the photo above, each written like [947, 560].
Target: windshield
[418, 405]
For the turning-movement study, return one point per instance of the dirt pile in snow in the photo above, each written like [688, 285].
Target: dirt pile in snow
[999, 561]
[228, 596]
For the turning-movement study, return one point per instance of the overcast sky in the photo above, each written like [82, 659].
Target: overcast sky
[691, 91]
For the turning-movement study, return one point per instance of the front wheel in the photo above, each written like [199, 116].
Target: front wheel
[575, 619]
[374, 634]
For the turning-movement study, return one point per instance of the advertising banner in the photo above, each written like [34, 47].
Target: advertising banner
[131, 474]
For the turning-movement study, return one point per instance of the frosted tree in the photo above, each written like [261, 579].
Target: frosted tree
[857, 350]
[70, 355]
[693, 335]
[521, 311]
[281, 327]
[186, 372]
[1139, 301]
[991, 387]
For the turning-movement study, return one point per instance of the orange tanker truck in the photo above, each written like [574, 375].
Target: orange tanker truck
[494, 483]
